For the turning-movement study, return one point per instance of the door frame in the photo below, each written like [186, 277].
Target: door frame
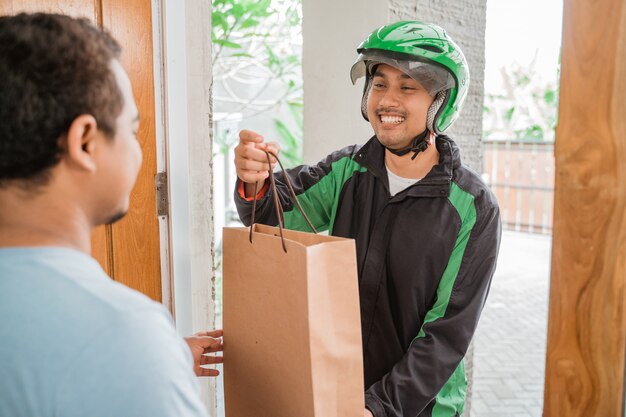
[183, 78]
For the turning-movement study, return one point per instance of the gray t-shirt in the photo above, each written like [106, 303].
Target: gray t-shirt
[75, 343]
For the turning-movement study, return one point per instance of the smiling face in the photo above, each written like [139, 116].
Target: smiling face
[396, 107]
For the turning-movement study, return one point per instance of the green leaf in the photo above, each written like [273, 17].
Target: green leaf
[217, 18]
[227, 44]
[258, 35]
[523, 80]
[272, 59]
[293, 59]
[291, 150]
[534, 132]
[549, 97]
[249, 22]
[237, 11]
[243, 55]
[297, 113]
[508, 115]
[285, 134]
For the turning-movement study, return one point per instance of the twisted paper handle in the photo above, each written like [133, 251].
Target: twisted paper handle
[277, 206]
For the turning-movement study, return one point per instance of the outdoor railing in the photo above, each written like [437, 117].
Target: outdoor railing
[521, 174]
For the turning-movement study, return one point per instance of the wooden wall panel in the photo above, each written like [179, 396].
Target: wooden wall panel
[587, 318]
[135, 243]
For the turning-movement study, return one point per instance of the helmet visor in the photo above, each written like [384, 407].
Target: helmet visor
[432, 77]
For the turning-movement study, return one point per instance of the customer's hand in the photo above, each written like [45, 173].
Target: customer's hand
[200, 345]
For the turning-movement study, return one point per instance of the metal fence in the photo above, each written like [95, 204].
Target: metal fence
[521, 174]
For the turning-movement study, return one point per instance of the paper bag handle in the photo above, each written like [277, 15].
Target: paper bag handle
[278, 207]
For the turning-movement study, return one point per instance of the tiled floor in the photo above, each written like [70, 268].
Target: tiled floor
[510, 343]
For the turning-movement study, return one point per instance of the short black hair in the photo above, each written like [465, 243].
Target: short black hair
[53, 68]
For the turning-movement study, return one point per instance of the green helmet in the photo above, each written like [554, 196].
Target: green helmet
[427, 54]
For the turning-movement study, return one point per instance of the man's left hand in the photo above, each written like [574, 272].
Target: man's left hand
[200, 345]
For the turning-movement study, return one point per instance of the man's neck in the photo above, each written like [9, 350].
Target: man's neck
[40, 220]
[405, 167]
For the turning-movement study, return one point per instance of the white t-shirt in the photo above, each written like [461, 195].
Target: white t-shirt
[75, 343]
[397, 183]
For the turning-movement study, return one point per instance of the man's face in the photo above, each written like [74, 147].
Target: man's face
[120, 158]
[396, 107]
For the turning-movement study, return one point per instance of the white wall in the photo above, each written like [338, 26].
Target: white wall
[332, 30]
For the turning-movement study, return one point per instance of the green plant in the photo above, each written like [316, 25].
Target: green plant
[230, 17]
[257, 65]
[256, 71]
[291, 138]
[526, 109]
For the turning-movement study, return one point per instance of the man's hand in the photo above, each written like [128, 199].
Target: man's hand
[251, 160]
[367, 413]
[202, 343]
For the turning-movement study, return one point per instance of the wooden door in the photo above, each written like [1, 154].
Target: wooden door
[587, 319]
[128, 250]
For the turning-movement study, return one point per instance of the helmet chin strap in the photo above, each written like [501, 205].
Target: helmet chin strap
[419, 144]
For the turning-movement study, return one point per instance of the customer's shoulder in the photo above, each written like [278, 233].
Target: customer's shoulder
[69, 286]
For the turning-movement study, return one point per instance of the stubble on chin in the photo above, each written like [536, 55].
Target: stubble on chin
[392, 141]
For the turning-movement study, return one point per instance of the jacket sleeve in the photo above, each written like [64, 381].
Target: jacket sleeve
[431, 367]
[317, 188]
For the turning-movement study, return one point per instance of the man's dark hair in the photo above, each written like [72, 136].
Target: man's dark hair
[53, 68]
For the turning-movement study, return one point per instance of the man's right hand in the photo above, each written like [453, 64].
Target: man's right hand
[251, 160]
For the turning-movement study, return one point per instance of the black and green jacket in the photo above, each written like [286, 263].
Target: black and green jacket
[425, 260]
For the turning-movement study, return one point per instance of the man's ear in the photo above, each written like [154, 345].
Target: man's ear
[81, 142]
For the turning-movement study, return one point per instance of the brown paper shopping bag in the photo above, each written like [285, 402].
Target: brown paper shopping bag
[292, 334]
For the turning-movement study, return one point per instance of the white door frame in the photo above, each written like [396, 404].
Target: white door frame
[182, 66]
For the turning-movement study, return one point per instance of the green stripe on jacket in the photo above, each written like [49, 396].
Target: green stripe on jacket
[320, 201]
[451, 398]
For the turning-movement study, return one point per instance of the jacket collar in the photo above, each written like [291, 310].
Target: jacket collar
[435, 184]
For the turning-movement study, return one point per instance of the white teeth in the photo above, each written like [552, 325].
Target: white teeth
[391, 119]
